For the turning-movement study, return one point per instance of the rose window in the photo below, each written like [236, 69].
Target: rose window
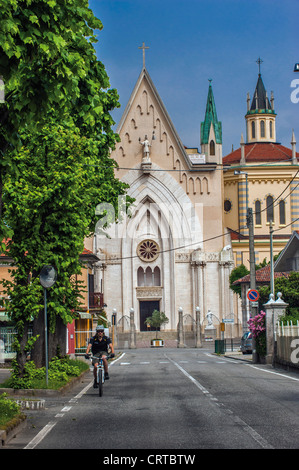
[148, 250]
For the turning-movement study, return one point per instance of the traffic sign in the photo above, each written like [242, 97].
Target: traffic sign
[253, 295]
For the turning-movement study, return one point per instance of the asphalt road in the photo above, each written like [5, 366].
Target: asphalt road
[172, 399]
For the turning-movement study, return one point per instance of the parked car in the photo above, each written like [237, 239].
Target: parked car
[246, 343]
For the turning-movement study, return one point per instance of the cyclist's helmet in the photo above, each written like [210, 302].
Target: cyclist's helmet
[100, 327]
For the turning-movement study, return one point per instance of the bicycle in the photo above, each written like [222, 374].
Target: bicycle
[100, 372]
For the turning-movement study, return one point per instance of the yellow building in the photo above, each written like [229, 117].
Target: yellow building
[264, 175]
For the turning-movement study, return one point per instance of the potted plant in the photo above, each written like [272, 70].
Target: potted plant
[156, 321]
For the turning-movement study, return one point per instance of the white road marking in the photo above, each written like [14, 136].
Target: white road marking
[46, 429]
[40, 436]
[66, 408]
[272, 372]
[255, 435]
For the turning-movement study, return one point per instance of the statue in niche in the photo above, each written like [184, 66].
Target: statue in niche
[146, 149]
[210, 319]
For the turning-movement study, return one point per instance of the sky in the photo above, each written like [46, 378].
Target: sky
[192, 41]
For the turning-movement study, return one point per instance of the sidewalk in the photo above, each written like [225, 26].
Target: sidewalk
[238, 355]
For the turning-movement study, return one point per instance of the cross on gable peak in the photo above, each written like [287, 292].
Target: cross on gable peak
[143, 47]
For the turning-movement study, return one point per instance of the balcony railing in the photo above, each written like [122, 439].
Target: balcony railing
[96, 300]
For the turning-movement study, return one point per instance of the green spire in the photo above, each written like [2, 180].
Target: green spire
[211, 118]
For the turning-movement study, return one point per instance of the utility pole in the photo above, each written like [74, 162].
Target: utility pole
[253, 310]
[271, 259]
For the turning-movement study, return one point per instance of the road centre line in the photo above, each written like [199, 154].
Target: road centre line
[254, 434]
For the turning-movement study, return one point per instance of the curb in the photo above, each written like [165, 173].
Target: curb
[238, 358]
[13, 428]
[35, 392]
[18, 424]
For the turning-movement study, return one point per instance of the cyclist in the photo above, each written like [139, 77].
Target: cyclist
[99, 344]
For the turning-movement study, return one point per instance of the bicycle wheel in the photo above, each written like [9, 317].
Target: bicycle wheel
[100, 376]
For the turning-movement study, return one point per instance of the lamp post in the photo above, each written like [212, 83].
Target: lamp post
[47, 278]
[113, 322]
[181, 330]
[198, 328]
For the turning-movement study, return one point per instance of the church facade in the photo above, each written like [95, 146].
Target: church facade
[170, 251]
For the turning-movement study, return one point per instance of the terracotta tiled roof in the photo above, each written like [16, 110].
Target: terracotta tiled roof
[260, 152]
[262, 276]
[236, 235]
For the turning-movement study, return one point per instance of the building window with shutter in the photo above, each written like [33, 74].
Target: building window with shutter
[270, 209]
[282, 213]
[258, 217]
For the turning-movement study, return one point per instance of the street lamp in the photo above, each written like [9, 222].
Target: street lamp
[47, 278]
[113, 322]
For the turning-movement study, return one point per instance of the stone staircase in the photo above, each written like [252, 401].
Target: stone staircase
[143, 338]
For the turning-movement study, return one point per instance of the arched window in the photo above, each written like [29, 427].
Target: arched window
[140, 277]
[271, 129]
[148, 276]
[262, 128]
[157, 279]
[253, 129]
[270, 210]
[212, 147]
[258, 218]
[282, 213]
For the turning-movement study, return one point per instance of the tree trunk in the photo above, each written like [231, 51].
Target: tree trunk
[38, 352]
[57, 340]
[22, 355]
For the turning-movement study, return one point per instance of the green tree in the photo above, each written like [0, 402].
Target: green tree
[48, 61]
[157, 320]
[237, 273]
[55, 141]
[288, 286]
[50, 202]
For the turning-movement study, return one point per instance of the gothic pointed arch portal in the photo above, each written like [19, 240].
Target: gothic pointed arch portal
[163, 220]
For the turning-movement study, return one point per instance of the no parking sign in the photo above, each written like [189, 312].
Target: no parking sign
[253, 295]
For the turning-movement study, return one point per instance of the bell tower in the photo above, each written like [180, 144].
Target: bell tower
[260, 116]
